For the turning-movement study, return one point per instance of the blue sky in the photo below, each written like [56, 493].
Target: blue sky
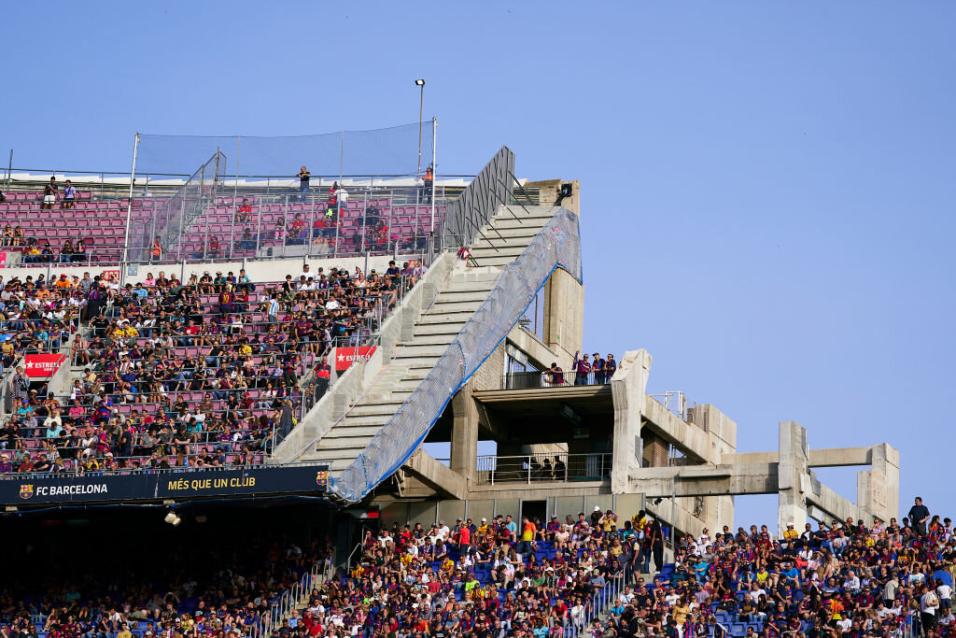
[768, 187]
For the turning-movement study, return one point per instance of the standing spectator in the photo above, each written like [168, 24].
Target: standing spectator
[50, 192]
[19, 385]
[656, 542]
[69, 195]
[610, 367]
[598, 369]
[156, 250]
[582, 369]
[428, 182]
[304, 177]
[919, 516]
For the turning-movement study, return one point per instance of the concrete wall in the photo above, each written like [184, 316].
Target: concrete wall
[258, 270]
[432, 511]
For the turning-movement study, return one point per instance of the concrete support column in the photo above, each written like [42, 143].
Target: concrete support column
[464, 433]
[718, 510]
[792, 476]
[878, 489]
[563, 296]
[628, 388]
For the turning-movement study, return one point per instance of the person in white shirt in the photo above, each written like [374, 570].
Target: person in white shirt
[945, 594]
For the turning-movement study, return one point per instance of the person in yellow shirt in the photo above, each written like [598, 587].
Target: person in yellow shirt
[790, 535]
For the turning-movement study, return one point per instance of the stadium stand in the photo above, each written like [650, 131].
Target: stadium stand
[202, 373]
[586, 575]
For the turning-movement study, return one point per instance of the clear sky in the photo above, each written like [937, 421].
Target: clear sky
[768, 187]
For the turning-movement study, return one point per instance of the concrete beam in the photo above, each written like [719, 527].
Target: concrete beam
[428, 470]
[705, 480]
[823, 457]
[824, 499]
[690, 439]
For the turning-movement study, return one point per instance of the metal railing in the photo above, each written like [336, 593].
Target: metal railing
[292, 599]
[599, 605]
[249, 225]
[543, 468]
[550, 379]
[674, 401]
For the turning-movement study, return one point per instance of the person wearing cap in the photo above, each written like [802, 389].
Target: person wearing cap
[790, 536]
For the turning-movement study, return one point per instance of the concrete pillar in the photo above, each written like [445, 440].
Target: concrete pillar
[563, 296]
[878, 489]
[628, 389]
[464, 433]
[792, 476]
[718, 510]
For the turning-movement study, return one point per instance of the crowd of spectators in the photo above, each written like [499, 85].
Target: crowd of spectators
[195, 586]
[531, 578]
[195, 374]
[536, 579]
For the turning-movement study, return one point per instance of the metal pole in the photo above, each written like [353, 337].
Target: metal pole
[341, 157]
[365, 220]
[434, 168]
[129, 206]
[10, 170]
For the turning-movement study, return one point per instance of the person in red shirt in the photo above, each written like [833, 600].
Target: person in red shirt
[464, 538]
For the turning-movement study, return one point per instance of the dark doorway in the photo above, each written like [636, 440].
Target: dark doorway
[537, 511]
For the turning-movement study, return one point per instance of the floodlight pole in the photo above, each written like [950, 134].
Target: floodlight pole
[129, 207]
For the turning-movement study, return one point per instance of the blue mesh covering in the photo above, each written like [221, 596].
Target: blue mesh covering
[556, 246]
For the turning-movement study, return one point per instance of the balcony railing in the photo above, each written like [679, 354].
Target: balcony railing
[547, 379]
[544, 468]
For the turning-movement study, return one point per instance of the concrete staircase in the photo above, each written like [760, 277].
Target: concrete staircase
[434, 329]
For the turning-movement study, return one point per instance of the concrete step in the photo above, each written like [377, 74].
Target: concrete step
[504, 251]
[424, 350]
[495, 260]
[456, 318]
[343, 442]
[506, 221]
[355, 421]
[336, 465]
[454, 306]
[375, 409]
[339, 460]
[430, 340]
[438, 329]
[459, 296]
[350, 429]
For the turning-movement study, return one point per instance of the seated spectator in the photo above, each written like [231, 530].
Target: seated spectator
[79, 252]
[244, 212]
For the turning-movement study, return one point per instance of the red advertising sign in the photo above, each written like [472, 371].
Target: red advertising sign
[42, 366]
[345, 357]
